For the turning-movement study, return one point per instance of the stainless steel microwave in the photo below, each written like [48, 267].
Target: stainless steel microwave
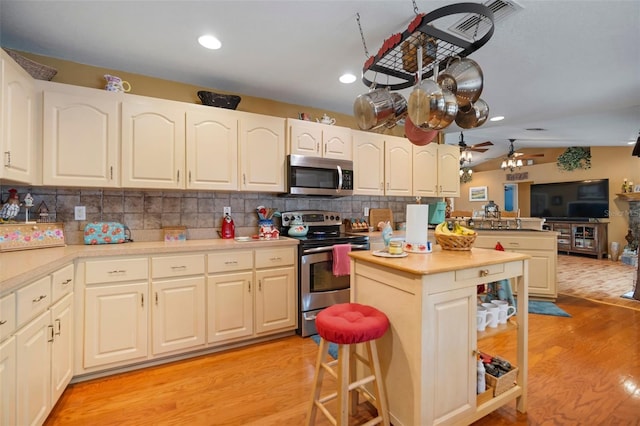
[319, 176]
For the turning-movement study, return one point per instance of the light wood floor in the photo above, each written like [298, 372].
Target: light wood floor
[583, 370]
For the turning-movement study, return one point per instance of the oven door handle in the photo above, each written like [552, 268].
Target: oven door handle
[330, 248]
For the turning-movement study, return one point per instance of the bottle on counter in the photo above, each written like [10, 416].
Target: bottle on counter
[624, 185]
[482, 384]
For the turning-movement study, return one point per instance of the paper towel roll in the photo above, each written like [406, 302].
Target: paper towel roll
[417, 223]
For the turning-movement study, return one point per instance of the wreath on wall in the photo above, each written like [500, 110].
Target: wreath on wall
[575, 157]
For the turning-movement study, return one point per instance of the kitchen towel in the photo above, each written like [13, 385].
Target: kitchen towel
[341, 261]
[417, 223]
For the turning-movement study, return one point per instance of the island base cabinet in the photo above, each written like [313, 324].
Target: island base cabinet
[443, 353]
[116, 323]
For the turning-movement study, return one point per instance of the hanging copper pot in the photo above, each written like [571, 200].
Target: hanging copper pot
[473, 115]
[417, 135]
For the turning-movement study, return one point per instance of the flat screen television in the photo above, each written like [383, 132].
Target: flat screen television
[579, 200]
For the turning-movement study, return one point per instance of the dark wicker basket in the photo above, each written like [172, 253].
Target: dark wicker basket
[35, 69]
[218, 100]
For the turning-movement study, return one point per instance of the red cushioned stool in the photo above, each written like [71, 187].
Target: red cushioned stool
[348, 324]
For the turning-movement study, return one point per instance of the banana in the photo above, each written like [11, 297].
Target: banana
[443, 228]
[466, 231]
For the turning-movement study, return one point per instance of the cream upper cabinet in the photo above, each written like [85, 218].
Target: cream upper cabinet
[80, 137]
[368, 163]
[319, 140]
[18, 122]
[382, 164]
[398, 153]
[262, 153]
[153, 144]
[436, 170]
[212, 149]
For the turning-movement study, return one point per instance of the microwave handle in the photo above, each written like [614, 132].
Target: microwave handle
[339, 178]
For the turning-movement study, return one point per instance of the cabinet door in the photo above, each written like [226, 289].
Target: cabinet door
[8, 382]
[448, 170]
[116, 324]
[542, 273]
[337, 142]
[153, 145]
[34, 370]
[451, 362]
[275, 300]
[62, 348]
[305, 138]
[178, 314]
[212, 149]
[368, 163]
[229, 306]
[398, 166]
[18, 128]
[425, 170]
[262, 158]
[80, 140]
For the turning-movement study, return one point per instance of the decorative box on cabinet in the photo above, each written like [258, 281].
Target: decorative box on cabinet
[318, 140]
[19, 124]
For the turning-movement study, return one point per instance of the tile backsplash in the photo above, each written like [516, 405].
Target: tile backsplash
[146, 212]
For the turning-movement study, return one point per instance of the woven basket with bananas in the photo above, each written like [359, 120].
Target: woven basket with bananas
[461, 238]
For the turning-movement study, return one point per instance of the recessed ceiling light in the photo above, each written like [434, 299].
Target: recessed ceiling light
[210, 42]
[497, 118]
[347, 78]
[631, 143]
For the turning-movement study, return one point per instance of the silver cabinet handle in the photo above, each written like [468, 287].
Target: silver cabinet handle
[231, 262]
[39, 298]
[3, 322]
[142, 300]
[249, 286]
[181, 267]
[50, 329]
[117, 271]
[156, 298]
[67, 281]
[58, 327]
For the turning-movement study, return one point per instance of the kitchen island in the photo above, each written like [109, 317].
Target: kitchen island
[429, 354]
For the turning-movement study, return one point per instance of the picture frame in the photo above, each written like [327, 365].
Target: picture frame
[478, 193]
[636, 188]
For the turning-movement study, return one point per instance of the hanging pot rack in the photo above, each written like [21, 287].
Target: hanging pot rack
[439, 44]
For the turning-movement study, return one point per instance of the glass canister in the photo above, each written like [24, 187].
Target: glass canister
[395, 247]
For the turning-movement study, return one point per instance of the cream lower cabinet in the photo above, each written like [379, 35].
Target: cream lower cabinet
[382, 164]
[81, 142]
[116, 311]
[436, 170]
[178, 306]
[243, 302]
[8, 382]
[261, 141]
[19, 114]
[541, 246]
[276, 294]
[44, 349]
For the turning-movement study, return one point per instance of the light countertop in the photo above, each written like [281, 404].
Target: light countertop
[440, 260]
[20, 267]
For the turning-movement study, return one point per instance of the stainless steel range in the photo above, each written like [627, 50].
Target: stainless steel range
[318, 287]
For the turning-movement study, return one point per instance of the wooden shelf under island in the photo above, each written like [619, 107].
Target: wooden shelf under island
[429, 354]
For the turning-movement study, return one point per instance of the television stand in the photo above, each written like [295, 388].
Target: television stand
[581, 237]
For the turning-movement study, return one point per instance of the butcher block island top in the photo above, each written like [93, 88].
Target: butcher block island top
[429, 355]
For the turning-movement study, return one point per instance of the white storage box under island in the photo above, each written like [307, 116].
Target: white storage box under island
[428, 356]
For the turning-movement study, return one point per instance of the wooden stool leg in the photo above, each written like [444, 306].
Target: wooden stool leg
[353, 376]
[380, 394]
[344, 374]
[317, 382]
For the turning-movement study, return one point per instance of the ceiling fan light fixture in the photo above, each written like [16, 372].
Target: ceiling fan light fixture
[636, 148]
[519, 163]
[503, 165]
[497, 118]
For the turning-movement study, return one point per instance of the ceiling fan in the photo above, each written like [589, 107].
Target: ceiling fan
[465, 150]
[514, 159]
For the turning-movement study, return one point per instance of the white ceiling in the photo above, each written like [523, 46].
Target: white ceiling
[571, 67]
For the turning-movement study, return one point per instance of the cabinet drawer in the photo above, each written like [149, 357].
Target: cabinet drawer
[62, 282]
[275, 257]
[177, 266]
[487, 273]
[7, 315]
[230, 261]
[532, 243]
[33, 299]
[116, 270]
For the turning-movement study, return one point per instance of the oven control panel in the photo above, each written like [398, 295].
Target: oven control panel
[312, 218]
